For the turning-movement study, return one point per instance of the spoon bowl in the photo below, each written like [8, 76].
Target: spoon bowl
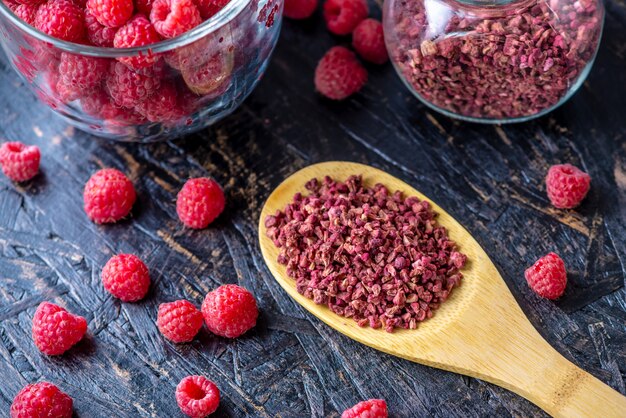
[479, 331]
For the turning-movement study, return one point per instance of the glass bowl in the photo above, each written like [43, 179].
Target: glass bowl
[159, 91]
[493, 61]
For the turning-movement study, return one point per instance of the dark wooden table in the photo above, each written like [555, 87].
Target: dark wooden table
[291, 365]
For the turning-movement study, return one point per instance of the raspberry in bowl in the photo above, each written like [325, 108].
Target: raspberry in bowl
[140, 70]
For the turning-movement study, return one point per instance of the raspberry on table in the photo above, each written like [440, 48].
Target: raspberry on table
[208, 8]
[97, 33]
[39, 400]
[111, 13]
[172, 18]
[229, 311]
[197, 396]
[547, 277]
[81, 73]
[109, 196]
[129, 87]
[138, 31]
[161, 106]
[369, 42]
[126, 277]
[567, 185]
[339, 74]
[19, 162]
[299, 9]
[342, 16]
[61, 19]
[55, 330]
[179, 321]
[27, 13]
[372, 408]
[199, 202]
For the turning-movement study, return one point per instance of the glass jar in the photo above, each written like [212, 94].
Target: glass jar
[159, 91]
[494, 61]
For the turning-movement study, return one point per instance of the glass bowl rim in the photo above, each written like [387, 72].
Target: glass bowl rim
[220, 19]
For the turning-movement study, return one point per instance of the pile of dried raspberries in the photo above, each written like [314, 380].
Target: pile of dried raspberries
[368, 254]
[511, 66]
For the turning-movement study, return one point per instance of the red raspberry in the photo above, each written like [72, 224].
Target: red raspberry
[128, 87]
[161, 106]
[372, 408]
[342, 16]
[197, 396]
[82, 74]
[40, 400]
[179, 321]
[25, 67]
[144, 6]
[100, 105]
[61, 19]
[98, 34]
[209, 8]
[172, 18]
[26, 2]
[299, 9]
[369, 42]
[339, 74]
[19, 162]
[138, 31]
[111, 13]
[547, 277]
[55, 330]
[126, 277]
[27, 13]
[229, 311]
[109, 196]
[199, 202]
[567, 185]
[206, 76]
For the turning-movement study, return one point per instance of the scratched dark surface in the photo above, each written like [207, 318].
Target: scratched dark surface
[291, 365]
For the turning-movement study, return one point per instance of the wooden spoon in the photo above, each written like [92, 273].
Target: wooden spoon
[480, 331]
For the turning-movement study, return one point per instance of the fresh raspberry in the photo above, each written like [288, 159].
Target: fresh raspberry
[211, 76]
[126, 277]
[567, 185]
[229, 311]
[55, 330]
[128, 87]
[80, 73]
[369, 42]
[547, 277]
[299, 9]
[27, 13]
[100, 105]
[162, 106]
[179, 321]
[199, 202]
[144, 6]
[27, 2]
[342, 16]
[172, 18]
[109, 196]
[111, 13]
[19, 162]
[339, 74]
[138, 31]
[98, 34]
[372, 408]
[41, 400]
[197, 396]
[209, 8]
[61, 19]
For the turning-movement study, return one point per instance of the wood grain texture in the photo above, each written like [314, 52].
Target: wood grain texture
[480, 331]
[291, 364]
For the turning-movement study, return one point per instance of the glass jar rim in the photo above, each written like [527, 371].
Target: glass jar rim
[229, 12]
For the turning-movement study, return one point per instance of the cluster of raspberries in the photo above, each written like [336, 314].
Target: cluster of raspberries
[133, 90]
[339, 74]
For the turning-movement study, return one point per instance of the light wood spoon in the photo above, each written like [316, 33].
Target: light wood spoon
[480, 331]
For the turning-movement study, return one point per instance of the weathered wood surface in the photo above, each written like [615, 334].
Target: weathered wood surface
[291, 365]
